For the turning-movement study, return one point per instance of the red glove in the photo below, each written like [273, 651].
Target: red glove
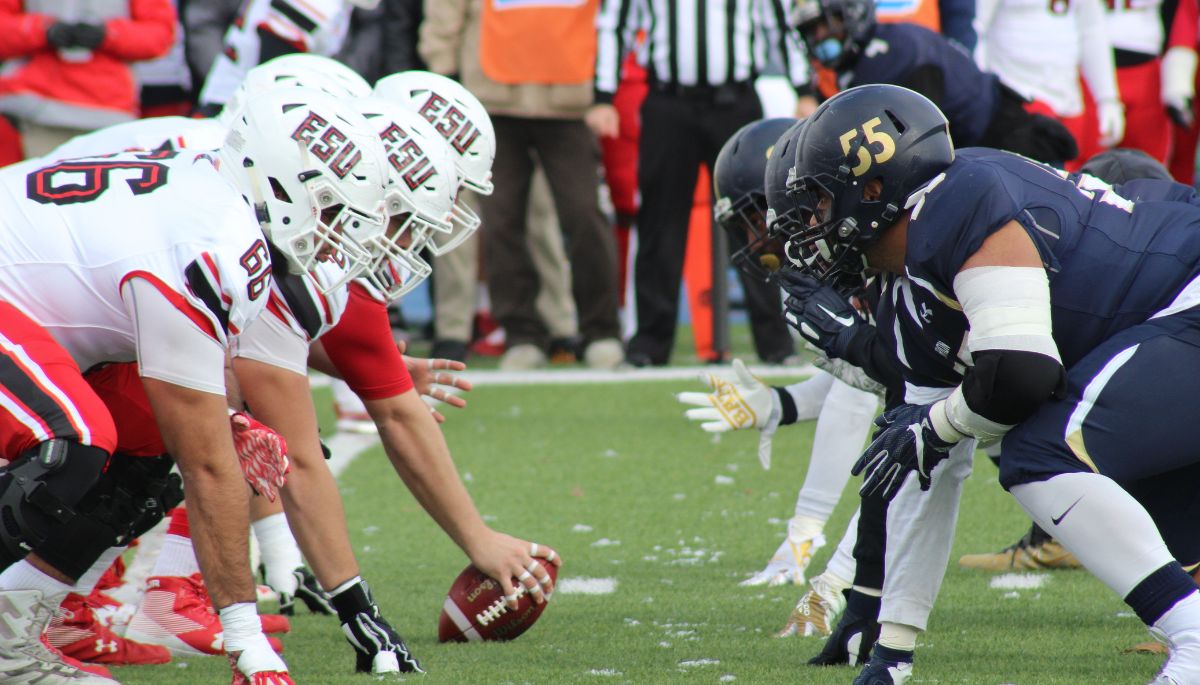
[262, 454]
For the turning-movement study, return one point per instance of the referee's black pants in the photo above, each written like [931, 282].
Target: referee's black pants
[679, 133]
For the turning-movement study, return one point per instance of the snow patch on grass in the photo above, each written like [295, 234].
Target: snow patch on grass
[586, 586]
[1018, 581]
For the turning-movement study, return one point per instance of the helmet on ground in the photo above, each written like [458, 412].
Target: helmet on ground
[461, 119]
[860, 157]
[420, 196]
[741, 201]
[315, 173]
[835, 32]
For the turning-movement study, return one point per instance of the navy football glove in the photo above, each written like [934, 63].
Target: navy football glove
[905, 442]
[822, 315]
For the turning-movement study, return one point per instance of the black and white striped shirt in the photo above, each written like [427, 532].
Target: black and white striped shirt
[698, 42]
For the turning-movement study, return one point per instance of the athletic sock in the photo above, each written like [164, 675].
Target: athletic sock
[25, 576]
[177, 557]
[898, 636]
[280, 553]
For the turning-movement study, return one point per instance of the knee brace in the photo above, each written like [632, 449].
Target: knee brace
[130, 498]
[41, 490]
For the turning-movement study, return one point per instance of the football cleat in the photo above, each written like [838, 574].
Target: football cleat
[110, 612]
[1035, 551]
[259, 678]
[177, 614]
[851, 641]
[77, 632]
[309, 591]
[24, 656]
[817, 611]
[789, 562]
[93, 669]
[886, 667]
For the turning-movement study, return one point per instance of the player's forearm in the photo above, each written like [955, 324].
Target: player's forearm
[418, 452]
[195, 428]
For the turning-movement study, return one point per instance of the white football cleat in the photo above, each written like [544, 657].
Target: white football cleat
[24, 658]
[818, 610]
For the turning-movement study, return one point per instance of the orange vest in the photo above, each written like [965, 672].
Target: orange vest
[538, 41]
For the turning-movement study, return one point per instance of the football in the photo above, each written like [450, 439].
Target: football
[474, 609]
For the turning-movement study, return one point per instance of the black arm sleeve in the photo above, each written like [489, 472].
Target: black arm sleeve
[872, 355]
[1007, 386]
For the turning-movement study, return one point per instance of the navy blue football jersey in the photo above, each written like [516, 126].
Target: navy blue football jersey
[925, 334]
[1111, 263]
[898, 53]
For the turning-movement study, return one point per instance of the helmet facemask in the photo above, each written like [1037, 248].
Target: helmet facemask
[398, 266]
[834, 33]
[825, 243]
[745, 220]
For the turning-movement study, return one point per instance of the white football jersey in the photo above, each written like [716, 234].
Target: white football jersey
[73, 232]
[297, 314]
[1136, 25]
[316, 26]
[154, 133]
[1017, 40]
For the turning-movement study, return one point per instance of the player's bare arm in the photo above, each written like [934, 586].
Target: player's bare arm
[195, 429]
[418, 452]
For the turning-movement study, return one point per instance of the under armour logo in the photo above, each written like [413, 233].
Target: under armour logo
[926, 313]
[103, 646]
[942, 348]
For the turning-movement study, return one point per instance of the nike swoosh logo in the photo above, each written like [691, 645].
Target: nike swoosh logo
[844, 320]
[1058, 519]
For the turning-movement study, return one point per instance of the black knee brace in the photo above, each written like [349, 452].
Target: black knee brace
[129, 499]
[40, 491]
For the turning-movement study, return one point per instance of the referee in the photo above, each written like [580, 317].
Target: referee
[703, 57]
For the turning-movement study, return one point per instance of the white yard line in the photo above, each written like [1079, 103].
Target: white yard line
[587, 376]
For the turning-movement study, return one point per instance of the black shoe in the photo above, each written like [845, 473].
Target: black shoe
[855, 634]
[886, 667]
[309, 591]
[454, 350]
[564, 350]
[378, 648]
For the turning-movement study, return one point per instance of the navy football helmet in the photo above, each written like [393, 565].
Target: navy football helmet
[835, 32]
[741, 202]
[874, 133]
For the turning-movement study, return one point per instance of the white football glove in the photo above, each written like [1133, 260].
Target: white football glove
[790, 562]
[1111, 114]
[1179, 83]
[849, 374]
[738, 401]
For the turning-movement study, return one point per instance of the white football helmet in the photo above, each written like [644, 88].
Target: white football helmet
[420, 197]
[316, 174]
[299, 69]
[462, 120]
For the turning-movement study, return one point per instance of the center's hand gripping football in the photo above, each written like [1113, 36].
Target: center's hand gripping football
[905, 442]
[738, 401]
[507, 559]
[434, 383]
[262, 454]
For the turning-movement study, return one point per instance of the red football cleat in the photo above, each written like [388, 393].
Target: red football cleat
[177, 614]
[76, 632]
[260, 678]
[93, 669]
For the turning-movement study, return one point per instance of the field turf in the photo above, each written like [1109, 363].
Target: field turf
[630, 493]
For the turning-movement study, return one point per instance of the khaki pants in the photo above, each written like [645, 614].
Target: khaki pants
[457, 274]
[38, 140]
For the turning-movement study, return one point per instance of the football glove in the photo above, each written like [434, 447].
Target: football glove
[905, 442]
[823, 316]
[262, 454]
[738, 401]
[1111, 114]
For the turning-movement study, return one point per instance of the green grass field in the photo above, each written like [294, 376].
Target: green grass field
[624, 488]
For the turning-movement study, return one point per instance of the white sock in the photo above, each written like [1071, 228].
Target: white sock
[842, 429]
[176, 558]
[280, 553]
[1181, 626]
[87, 582]
[25, 576]
[898, 636]
[1101, 524]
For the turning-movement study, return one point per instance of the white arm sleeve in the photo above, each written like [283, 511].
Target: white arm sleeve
[1096, 55]
[271, 341]
[171, 347]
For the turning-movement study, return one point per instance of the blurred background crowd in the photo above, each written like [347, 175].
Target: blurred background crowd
[608, 115]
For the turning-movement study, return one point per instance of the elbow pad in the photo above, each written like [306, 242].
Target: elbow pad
[1004, 388]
